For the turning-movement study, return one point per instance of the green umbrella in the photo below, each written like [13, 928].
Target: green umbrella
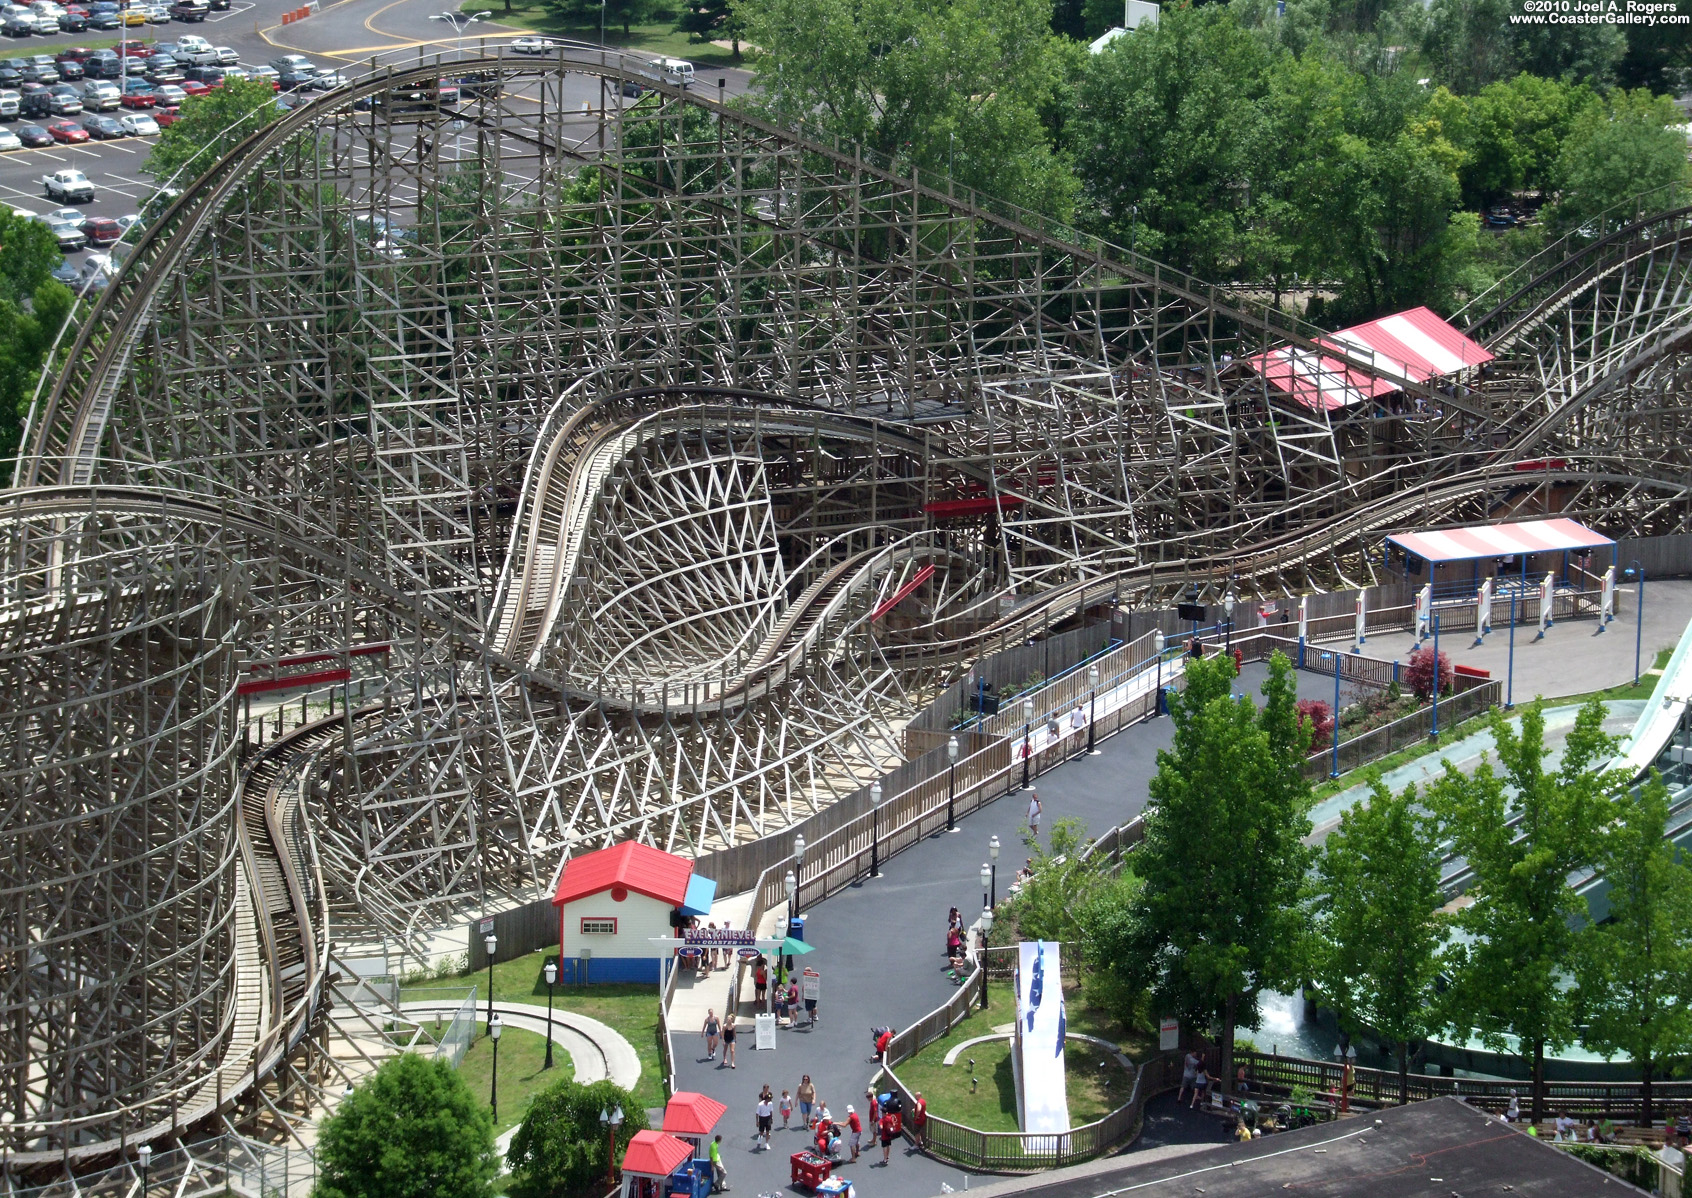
[795, 948]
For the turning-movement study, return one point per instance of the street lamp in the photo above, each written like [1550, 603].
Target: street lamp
[993, 852]
[875, 829]
[1228, 607]
[551, 972]
[986, 881]
[1639, 621]
[1092, 704]
[460, 22]
[986, 926]
[790, 884]
[1157, 690]
[144, 1157]
[6, 1118]
[951, 781]
[611, 1121]
[491, 942]
[495, 1027]
[1333, 769]
[1027, 738]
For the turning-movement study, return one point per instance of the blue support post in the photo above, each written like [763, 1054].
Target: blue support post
[1333, 767]
[1510, 679]
[1639, 617]
[1433, 726]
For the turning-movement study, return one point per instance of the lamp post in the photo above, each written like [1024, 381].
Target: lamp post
[1639, 620]
[1228, 602]
[1433, 724]
[602, 25]
[1092, 705]
[1333, 767]
[986, 926]
[798, 870]
[551, 972]
[875, 829]
[1347, 1061]
[144, 1157]
[611, 1121]
[6, 1119]
[460, 22]
[791, 885]
[495, 1027]
[1510, 674]
[1157, 689]
[986, 881]
[1027, 738]
[490, 942]
[993, 852]
[951, 781]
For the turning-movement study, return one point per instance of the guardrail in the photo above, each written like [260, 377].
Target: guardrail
[1404, 733]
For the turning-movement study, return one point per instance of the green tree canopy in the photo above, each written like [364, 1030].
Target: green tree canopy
[28, 254]
[26, 335]
[1635, 968]
[1222, 913]
[1622, 158]
[559, 1149]
[1522, 830]
[211, 126]
[626, 13]
[955, 88]
[412, 1130]
[1379, 922]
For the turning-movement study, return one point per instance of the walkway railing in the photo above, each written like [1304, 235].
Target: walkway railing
[1405, 733]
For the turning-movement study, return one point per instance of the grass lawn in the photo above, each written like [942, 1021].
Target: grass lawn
[521, 1077]
[1093, 1092]
[1450, 736]
[631, 1009]
[655, 37]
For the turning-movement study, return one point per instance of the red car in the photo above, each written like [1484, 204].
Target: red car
[67, 131]
[193, 87]
[167, 116]
[73, 53]
[138, 93]
[135, 49]
[101, 230]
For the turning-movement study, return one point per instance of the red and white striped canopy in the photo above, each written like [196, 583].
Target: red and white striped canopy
[1498, 540]
[1414, 345]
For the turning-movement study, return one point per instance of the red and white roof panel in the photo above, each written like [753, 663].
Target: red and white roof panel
[1499, 540]
[1415, 345]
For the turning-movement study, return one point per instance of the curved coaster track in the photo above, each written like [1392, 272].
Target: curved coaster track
[645, 486]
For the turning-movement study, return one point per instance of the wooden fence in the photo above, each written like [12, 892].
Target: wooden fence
[1412, 729]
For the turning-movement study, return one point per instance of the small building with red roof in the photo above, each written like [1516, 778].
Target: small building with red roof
[693, 1117]
[655, 1154]
[613, 902]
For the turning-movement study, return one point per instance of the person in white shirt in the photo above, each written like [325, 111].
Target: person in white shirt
[1034, 812]
[1077, 718]
[1513, 1112]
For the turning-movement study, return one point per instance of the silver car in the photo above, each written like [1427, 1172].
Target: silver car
[101, 95]
[8, 105]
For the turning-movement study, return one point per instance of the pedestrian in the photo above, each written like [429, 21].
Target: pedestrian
[1513, 1112]
[856, 1129]
[710, 957]
[710, 1031]
[1052, 730]
[807, 1094]
[1034, 810]
[873, 1106]
[889, 1128]
[825, 1117]
[786, 1108]
[719, 1174]
[793, 1003]
[728, 1041]
[1077, 719]
[760, 980]
[766, 1117]
[1189, 1073]
[1201, 1086]
[780, 1003]
[1195, 650]
[919, 1118]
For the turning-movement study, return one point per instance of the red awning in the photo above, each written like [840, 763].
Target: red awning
[690, 1114]
[1499, 540]
[631, 866]
[1414, 345]
[654, 1154]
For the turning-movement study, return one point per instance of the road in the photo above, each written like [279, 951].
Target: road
[349, 36]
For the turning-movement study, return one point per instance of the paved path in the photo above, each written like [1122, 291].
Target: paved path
[880, 951]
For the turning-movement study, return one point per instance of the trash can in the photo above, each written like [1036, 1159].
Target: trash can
[796, 927]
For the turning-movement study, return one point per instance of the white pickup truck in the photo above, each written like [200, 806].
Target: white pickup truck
[68, 187]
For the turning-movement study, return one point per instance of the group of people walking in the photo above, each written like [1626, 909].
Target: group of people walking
[837, 1139]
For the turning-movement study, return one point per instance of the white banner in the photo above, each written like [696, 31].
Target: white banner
[763, 1027]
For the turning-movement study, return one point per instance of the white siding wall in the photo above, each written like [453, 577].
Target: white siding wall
[637, 916]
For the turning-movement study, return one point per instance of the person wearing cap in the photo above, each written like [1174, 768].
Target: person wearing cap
[855, 1126]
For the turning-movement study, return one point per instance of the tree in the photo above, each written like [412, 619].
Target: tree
[1047, 905]
[559, 1149]
[1522, 831]
[1320, 717]
[957, 89]
[1419, 672]
[1380, 927]
[1622, 158]
[626, 13]
[1468, 43]
[211, 126]
[28, 254]
[711, 20]
[412, 1130]
[1635, 968]
[1221, 914]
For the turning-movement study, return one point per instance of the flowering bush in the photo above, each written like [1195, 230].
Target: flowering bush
[1320, 717]
[1419, 673]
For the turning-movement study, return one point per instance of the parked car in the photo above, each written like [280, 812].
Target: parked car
[8, 105]
[70, 70]
[101, 17]
[40, 68]
[65, 100]
[295, 79]
[170, 96]
[101, 230]
[34, 136]
[67, 132]
[292, 62]
[103, 64]
[11, 71]
[101, 95]
[162, 68]
[73, 54]
[47, 20]
[103, 128]
[73, 22]
[193, 87]
[326, 80]
[69, 236]
[34, 100]
[136, 48]
[69, 186]
[166, 116]
[18, 22]
[193, 50]
[9, 141]
[138, 93]
[267, 75]
[139, 124]
[210, 75]
[533, 45]
[158, 14]
[190, 10]
[226, 56]
[134, 16]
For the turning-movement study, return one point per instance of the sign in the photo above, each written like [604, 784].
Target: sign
[722, 936]
[1168, 1035]
[1190, 611]
[810, 985]
[763, 1032]
[485, 926]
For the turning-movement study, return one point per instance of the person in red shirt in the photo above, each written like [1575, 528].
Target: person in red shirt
[882, 1042]
[919, 1117]
[856, 1127]
[890, 1129]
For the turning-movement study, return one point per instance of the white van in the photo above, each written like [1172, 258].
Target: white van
[678, 72]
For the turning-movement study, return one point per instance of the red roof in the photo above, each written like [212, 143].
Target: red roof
[1414, 345]
[632, 865]
[654, 1154]
[1499, 540]
[690, 1114]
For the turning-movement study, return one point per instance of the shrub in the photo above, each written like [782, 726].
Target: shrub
[559, 1149]
[1419, 673]
[1320, 717]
